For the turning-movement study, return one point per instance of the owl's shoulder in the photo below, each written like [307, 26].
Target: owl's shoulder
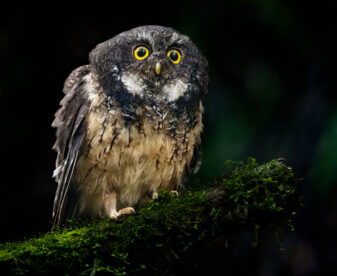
[73, 107]
[75, 77]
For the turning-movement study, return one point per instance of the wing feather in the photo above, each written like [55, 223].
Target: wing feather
[70, 133]
[196, 159]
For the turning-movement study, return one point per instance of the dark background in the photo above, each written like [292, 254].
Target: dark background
[272, 94]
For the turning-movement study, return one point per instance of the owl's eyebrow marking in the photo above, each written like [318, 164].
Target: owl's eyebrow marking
[142, 41]
[176, 45]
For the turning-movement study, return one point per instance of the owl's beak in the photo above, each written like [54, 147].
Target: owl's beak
[157, 68]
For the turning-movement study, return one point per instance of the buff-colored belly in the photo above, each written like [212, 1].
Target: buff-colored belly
[133, 162]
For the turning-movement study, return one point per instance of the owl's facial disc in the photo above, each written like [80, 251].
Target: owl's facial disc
[152, 63]
[154, 73]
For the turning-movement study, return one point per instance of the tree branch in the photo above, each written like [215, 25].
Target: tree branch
[161, 235]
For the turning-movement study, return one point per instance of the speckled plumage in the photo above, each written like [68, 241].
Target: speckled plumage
[124, 131]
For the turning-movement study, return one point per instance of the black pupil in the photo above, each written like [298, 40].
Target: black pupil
[141, 52]
[174, 56]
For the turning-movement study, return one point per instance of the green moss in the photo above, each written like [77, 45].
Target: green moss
[162, 233]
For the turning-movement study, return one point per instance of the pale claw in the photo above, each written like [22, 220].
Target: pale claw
[174, 193]
[126, 211]
[154, 195]
[113, 216]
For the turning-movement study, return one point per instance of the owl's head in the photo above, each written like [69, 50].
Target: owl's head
[151, 63]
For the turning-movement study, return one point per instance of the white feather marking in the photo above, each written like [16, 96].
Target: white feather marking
[174, 90]
[133, 84]
[144, 36]
[58, 170]
[90, 88]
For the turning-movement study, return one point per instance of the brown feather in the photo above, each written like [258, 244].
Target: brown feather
[69, 136]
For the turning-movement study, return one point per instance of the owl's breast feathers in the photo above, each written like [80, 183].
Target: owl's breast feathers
[137, 157]
[132, 151]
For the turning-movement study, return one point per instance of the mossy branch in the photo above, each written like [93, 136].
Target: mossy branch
[161, 235]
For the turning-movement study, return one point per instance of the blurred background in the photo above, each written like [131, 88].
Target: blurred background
[272, 94]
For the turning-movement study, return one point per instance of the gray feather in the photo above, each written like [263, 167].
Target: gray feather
[71, 130]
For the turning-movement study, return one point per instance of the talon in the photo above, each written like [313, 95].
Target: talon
[174, 193]
[126, 211]
[154, 195]
[113, 217]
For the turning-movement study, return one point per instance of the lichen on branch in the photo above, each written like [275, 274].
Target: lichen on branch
[159, 238]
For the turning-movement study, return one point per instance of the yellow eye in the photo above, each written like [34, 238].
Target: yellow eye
[141, 52]
[174, 55]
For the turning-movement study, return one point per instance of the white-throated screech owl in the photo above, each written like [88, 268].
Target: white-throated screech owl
[129, 123]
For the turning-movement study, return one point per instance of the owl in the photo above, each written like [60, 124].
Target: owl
[129, 124]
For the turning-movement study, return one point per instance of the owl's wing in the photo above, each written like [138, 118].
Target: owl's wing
[196, 159]
[194, 166]
[70, 133]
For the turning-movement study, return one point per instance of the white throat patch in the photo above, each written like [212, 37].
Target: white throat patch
[133, 84]
[173, 91]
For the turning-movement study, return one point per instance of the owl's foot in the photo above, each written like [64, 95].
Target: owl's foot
[154, 196]
[111, 207]
[125, 211]
[174, 193]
